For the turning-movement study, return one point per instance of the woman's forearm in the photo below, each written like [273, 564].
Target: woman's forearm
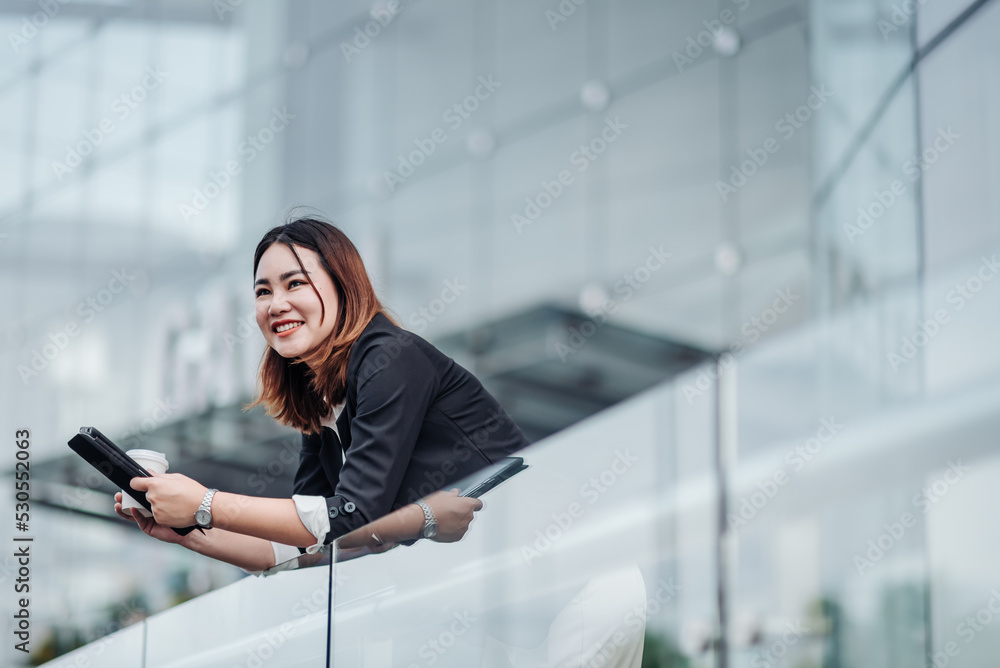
[248, 552]
[402, 524]
[266, 518]
[278, 520]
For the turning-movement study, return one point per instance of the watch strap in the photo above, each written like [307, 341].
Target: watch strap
[206, 505]
[430, 522]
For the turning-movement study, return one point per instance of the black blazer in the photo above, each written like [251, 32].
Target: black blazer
[414, 421]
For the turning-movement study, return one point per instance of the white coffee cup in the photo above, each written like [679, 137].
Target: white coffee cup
[152, 461]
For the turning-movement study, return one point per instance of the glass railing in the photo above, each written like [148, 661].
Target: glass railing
[821, 499]
[603, 544]
[279, 620]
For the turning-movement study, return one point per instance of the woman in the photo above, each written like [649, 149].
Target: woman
[386, 418]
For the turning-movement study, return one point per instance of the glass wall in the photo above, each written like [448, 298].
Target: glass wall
[786, 163]
[638, 107]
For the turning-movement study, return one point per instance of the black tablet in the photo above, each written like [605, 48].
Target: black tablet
[479, 483]
[114, 464]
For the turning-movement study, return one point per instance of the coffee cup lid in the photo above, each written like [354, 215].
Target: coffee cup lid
[147, 454]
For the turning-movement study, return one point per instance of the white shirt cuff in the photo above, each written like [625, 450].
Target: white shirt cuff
[282, 553]
[312, 511]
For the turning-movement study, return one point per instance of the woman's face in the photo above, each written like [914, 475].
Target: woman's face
[288, 311]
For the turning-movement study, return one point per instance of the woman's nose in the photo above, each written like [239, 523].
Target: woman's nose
[278, 305]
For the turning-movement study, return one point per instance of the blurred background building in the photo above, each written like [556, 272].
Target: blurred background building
[578, 200]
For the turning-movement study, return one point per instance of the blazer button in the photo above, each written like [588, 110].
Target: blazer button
[349, 507]
[334, 512]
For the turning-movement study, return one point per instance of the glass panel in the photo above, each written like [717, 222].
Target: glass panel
[190, 55]
[960, 108]
[276, 620]
[539, 67]
[21, 48]
[122, 648]
[851, 509]
[60, 34]
[65, 136]
[857, 61]
[604, 545]
[933, 16]
[130, 83]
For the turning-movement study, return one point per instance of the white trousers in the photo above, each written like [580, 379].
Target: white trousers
[598, 628]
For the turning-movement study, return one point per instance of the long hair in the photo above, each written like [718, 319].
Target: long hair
[299, 392]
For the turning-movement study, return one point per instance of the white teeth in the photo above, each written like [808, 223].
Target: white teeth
[288, 326]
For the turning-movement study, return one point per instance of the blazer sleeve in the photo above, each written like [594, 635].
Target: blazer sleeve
[392, 402]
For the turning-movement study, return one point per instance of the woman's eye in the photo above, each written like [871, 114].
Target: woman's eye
[291, 284]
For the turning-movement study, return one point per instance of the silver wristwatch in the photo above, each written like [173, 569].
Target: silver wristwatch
[203, 516]
[430, 522]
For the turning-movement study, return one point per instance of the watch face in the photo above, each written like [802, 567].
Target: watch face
[430, 531]
[203, 518]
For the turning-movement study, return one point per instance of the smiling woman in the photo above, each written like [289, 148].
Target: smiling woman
[382, 412]
[303, 318]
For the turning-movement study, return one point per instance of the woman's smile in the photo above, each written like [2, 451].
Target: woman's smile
[287, 328]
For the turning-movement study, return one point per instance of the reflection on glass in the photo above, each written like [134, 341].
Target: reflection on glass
[561, 567]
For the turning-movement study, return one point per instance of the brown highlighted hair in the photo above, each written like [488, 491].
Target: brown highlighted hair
[299, 392]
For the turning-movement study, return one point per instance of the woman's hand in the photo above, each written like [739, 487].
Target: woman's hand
[174, 497]
[147, 524]
[454, 513]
